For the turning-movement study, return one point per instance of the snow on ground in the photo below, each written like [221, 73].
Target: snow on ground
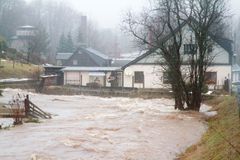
[95, 128]
[14, 80]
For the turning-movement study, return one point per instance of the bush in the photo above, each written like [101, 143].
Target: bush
[94, 85]
[205, 88]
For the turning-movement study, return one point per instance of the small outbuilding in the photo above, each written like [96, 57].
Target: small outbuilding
[93, 76]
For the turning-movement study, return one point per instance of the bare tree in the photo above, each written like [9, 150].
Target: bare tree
[37, 45]
[205, 19]
[160, 29]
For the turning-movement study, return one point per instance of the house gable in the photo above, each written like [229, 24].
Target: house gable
[221, 50]
[80, 59]
[88, 57]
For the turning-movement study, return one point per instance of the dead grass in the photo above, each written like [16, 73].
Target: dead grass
[222, 140]
[19, 71]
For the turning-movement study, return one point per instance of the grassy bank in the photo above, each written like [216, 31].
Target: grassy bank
[222, 140]
[18, 71]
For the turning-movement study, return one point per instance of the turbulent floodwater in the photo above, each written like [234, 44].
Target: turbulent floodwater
[93, 128]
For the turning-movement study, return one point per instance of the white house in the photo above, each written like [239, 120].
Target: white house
[84, 76]
[24, 35]
[146, 72]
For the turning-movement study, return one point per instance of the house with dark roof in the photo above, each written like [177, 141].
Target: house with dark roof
[83, 57]
[146, 71]
[87, 65]
[61, 58]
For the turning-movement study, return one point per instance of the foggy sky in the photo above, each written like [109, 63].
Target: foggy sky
[109, 13]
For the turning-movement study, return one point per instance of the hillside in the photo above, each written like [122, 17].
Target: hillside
[222, 140]
[20, 70]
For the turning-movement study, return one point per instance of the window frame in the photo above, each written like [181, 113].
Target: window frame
[165, 78]
[75, 60]
[211, 78]
[189, 49]
[138, 77]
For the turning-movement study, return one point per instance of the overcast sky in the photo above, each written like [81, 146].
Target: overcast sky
[109, 13]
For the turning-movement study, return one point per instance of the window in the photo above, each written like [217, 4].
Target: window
[138, 77]
[211, 77]
[75, 62]
[189, 48]
[210, 49]
[165, 78]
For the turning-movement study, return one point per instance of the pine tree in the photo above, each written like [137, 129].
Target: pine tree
[70, 45]
[62, 44]
[3, 44]
[66, 44]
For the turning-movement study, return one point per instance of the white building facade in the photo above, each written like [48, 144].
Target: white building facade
[146, 71]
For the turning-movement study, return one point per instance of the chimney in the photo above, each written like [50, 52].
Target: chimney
[83, 36]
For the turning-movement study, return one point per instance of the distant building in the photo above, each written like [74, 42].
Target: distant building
[93, 76]
[83, 57]
[88, 65]
[23, 37]
[61, 58]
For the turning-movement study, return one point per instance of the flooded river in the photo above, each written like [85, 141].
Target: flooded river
[93, 128]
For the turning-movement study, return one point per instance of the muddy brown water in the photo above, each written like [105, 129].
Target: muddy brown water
[93, 128]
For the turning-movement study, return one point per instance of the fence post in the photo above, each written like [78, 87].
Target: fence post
[238, 99]
[26, 105]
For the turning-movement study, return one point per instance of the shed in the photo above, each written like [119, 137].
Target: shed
[85, 76]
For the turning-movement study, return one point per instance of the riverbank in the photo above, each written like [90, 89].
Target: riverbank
[222, 140]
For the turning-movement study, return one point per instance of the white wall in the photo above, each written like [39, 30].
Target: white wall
[74, 78]
[85, 78]
[107, 83]
[221, 56]
[153, 75]
[222, 72]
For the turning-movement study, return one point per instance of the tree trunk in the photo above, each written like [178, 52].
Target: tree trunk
[178, 96]
[196, 100]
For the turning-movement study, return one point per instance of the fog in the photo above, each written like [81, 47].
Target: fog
[109, 13]
[104, 21]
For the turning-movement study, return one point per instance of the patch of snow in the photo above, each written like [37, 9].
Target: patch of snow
[210, 114]
[209, 93]
[15, 80]
[6, 122]
[206, 110]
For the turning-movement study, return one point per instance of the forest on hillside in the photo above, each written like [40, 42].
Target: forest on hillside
[57, 21]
